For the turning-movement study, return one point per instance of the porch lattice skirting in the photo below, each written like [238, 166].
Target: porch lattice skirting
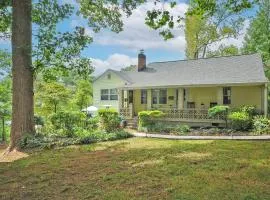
[190, 115]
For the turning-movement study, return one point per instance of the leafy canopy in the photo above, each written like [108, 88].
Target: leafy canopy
[257, 38]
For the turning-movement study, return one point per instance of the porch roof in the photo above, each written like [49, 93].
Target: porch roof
[244, 69]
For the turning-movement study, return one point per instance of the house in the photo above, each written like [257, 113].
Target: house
[184, 89]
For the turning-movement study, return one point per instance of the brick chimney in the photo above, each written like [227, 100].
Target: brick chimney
[141, 61]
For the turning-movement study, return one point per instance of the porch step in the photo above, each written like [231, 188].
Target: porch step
[132, 123]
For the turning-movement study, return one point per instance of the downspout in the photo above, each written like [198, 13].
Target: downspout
[265, 100]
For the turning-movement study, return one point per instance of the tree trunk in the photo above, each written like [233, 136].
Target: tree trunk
[3, 130]
[204, 51]
[22, 73]
[55, 107]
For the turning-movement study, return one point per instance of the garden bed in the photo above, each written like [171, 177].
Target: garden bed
[206, 132]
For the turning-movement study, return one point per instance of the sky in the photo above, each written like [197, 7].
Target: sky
[115, 51]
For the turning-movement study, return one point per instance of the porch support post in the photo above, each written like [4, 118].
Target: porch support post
[149, 99]
[180, 103]
[186, 97]
[265, 100]
[125, 98]
[120, 99]
[220, 95]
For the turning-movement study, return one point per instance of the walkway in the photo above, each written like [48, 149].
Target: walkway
[178, 137]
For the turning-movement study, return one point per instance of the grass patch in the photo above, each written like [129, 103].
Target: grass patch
[142, 168]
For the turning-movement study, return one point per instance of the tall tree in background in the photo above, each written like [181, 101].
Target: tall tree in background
[202, 31]
[22, 71]
[207, 22]
[223, 50]
[52, 95]
[83, 95]
[257, 38]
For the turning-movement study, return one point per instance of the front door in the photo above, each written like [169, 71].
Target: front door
[130, 96]
[130, 101]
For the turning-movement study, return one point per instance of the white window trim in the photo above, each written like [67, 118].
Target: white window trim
[109, 94]
[158, 96]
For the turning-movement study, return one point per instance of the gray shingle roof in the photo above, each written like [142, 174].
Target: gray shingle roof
[244, 69]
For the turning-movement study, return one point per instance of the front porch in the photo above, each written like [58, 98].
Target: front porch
[189, 104]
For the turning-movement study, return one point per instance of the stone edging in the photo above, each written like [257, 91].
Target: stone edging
[178, 137]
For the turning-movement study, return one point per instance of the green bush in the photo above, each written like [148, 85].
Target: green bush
[159, 127]
[109, 120]
[218, 110]
[147, 118]
[82, 137]
[183, 129]
[46, 142]
[261, 125]
[240, 121]
[250, 110]
[92, 123]
[66, 122]
[38, 120]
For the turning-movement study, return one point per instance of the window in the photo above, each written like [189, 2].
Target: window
[113, 94]
[143, 96]
[226, 95]
[159, 96]
[109, 94]
[191, 105]
[163, 96]
[109, 76]
[104, 94]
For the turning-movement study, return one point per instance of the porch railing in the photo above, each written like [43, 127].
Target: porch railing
[126, 112]
[191, 114]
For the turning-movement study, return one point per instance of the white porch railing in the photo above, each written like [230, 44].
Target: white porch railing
[126, 112]
[173, 114]
[190, 114]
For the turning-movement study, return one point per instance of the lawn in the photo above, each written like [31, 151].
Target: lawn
[142, 168]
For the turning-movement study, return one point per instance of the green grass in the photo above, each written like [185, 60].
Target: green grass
[139, 168]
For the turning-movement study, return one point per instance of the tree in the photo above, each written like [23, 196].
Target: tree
[5, 103]
[223, 50]
[84, 93]
[22, 72]
[5, 89]
[164, 19]
[100, 14]
[202, 31]
[55, 52]
[129, 68]
[257, 38]
[52, 95]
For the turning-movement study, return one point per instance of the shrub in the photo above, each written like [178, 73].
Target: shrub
[146, 118]
[183, 129]
[92, 123]
[82, 137]
[159, 127]
[46, 142]
[38, 120]
[250, 110]
[261, 125]
[217, 110]
[240, 121]
[109, 120]
[66, 122]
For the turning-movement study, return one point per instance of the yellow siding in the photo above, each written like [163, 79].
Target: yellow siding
[137, 102]
[104, 83]
[203, 95]
[247, 95]
[241, 95]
